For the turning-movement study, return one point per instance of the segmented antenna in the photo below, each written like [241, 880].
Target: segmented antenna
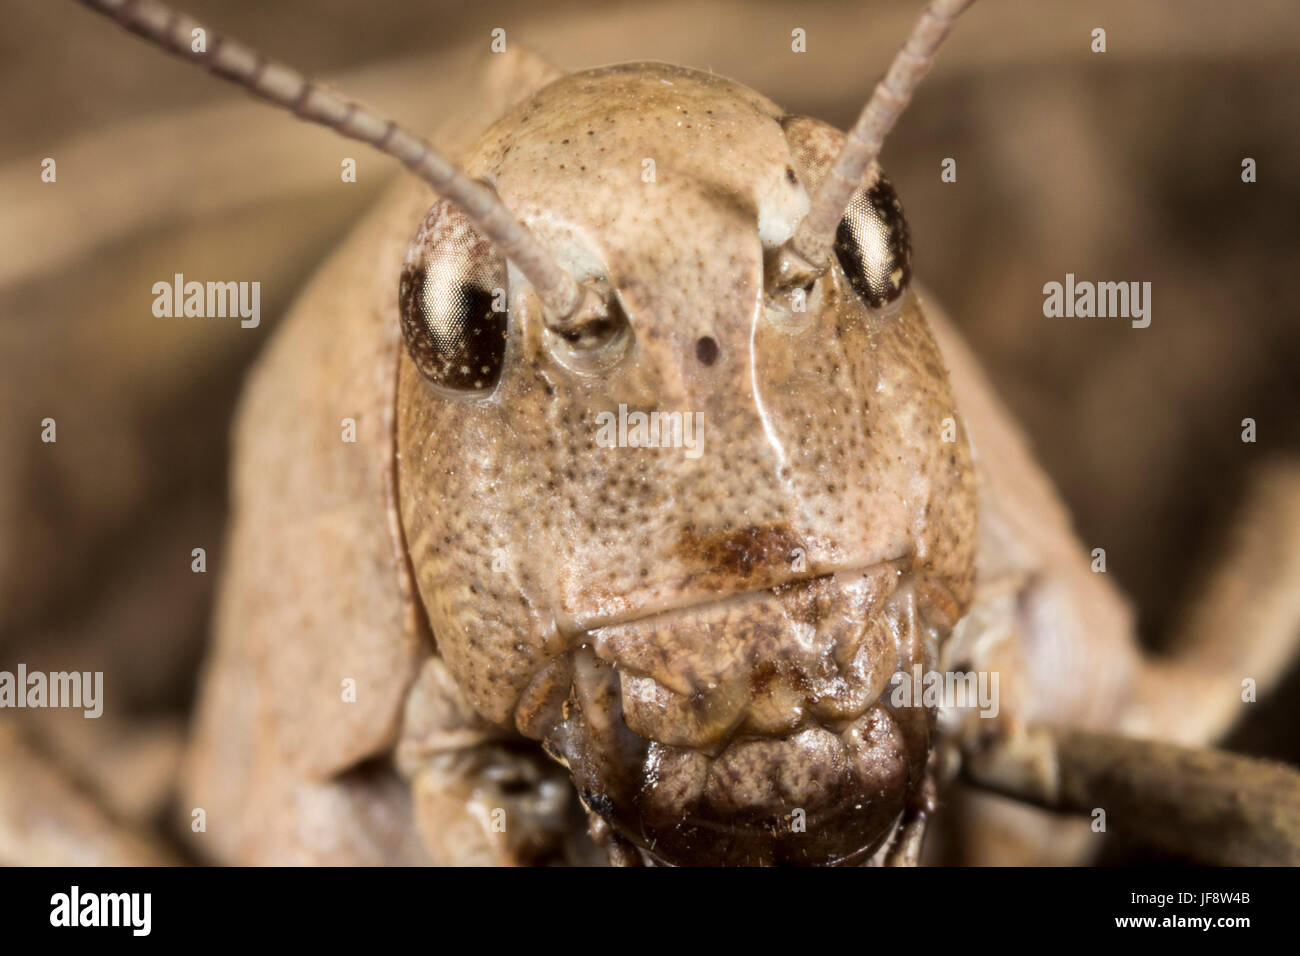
[813, 238]
[287, 88]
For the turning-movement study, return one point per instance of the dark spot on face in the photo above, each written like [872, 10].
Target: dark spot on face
[790, 176]
[706, 350]
[740, 553]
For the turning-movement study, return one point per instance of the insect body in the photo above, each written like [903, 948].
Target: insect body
[705, 642]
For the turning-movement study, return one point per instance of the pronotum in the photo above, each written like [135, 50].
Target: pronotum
[705, 642]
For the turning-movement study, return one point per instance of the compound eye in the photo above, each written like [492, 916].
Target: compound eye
[873, 246]
[453, 304]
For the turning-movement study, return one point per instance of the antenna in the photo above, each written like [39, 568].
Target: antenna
[807, 252]
[285, 87]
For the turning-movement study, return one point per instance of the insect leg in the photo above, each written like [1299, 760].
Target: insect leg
[1213, 806]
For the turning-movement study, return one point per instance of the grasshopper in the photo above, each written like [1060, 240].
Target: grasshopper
[710, 645]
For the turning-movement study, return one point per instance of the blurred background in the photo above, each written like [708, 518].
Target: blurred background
[1117, 166]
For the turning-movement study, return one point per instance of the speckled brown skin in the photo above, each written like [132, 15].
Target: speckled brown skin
[703, 641]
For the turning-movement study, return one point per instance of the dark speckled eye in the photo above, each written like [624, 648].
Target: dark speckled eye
[453, 304]
[873, 246]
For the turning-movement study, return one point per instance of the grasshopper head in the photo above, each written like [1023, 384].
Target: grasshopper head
[687, 541]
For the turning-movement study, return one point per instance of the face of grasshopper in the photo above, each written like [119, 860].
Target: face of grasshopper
[703, 630]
